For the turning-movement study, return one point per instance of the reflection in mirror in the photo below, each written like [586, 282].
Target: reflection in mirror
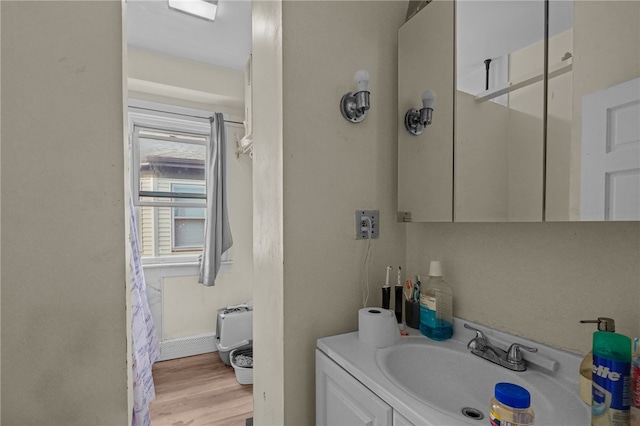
[593, 138]
[499, 147]
[559, 107]
[425, 70]
[511, 162]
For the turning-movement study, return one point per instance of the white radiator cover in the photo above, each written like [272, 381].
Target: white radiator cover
[187, 346]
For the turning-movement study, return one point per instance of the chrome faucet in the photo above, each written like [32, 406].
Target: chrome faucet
[511, 358]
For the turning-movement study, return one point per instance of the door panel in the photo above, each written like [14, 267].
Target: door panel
[610, 176]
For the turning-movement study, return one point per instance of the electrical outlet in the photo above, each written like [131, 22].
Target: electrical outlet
[367, 224]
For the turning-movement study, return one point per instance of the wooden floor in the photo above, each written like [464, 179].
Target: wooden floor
[199, 390]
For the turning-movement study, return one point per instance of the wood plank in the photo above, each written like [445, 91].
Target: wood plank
[199, 390]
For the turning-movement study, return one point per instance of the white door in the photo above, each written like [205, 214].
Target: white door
[610, 177]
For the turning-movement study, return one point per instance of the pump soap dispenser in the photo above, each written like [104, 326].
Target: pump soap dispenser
[586, 366]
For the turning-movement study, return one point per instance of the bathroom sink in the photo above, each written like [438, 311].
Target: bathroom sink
[446, 376]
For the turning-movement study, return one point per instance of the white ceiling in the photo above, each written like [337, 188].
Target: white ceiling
[226, 42]
[486, 29]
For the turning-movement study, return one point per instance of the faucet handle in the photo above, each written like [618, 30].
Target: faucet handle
[514, 354]
[479, 334]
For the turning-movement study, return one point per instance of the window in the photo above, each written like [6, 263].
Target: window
[168, 163]
[188, 222]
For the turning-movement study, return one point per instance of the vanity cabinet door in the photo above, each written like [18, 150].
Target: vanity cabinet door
[399, 420]
[342, 400]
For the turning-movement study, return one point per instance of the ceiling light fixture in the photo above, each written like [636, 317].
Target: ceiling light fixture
[205, 9]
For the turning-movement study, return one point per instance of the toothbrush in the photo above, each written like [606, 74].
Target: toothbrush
[398, 296]
[386, 291]
[409, 285]
[416, 289]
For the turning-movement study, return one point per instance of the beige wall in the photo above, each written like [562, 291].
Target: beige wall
[331, 168]
[482, 155]
[559, 106]
[312, 171]
[164, 79]
[537, 280]
[64, 340]
[526, 130]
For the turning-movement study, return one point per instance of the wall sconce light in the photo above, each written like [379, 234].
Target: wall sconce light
[415, 121]
[354, 105]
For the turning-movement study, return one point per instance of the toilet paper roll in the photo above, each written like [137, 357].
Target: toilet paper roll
[377, 327]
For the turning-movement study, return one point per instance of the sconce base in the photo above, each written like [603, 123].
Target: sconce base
[349, 108]
[412, 122]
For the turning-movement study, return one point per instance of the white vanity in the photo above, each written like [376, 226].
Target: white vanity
[423, 382]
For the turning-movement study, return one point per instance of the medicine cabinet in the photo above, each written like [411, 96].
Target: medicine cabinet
[533, 121]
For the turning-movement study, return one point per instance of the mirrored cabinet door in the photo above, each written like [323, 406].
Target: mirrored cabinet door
[593, 138]
[425, 160]
[499, 113]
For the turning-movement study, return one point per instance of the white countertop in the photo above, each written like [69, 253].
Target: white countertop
[362, 362]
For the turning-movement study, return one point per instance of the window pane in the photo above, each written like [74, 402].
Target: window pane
[170, 166]
[151, 133]
[167, 162]
[189, 212]
[188, 189]
[189, 233]
[193, 212]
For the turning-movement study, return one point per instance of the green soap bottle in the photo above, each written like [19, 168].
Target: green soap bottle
[586, 367]
[611, 379]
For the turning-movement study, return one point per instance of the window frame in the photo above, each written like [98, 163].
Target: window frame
[165, 118]
[143, 120]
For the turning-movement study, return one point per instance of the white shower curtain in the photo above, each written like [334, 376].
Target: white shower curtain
[145, 344]
[217, 238]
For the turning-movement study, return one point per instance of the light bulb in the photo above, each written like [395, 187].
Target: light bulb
[428, 99]
[362, 80]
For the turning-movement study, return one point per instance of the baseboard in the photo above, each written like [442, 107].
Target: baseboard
[187, 346]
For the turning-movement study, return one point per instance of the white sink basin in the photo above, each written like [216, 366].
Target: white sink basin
[430, 383]
[447, 376]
